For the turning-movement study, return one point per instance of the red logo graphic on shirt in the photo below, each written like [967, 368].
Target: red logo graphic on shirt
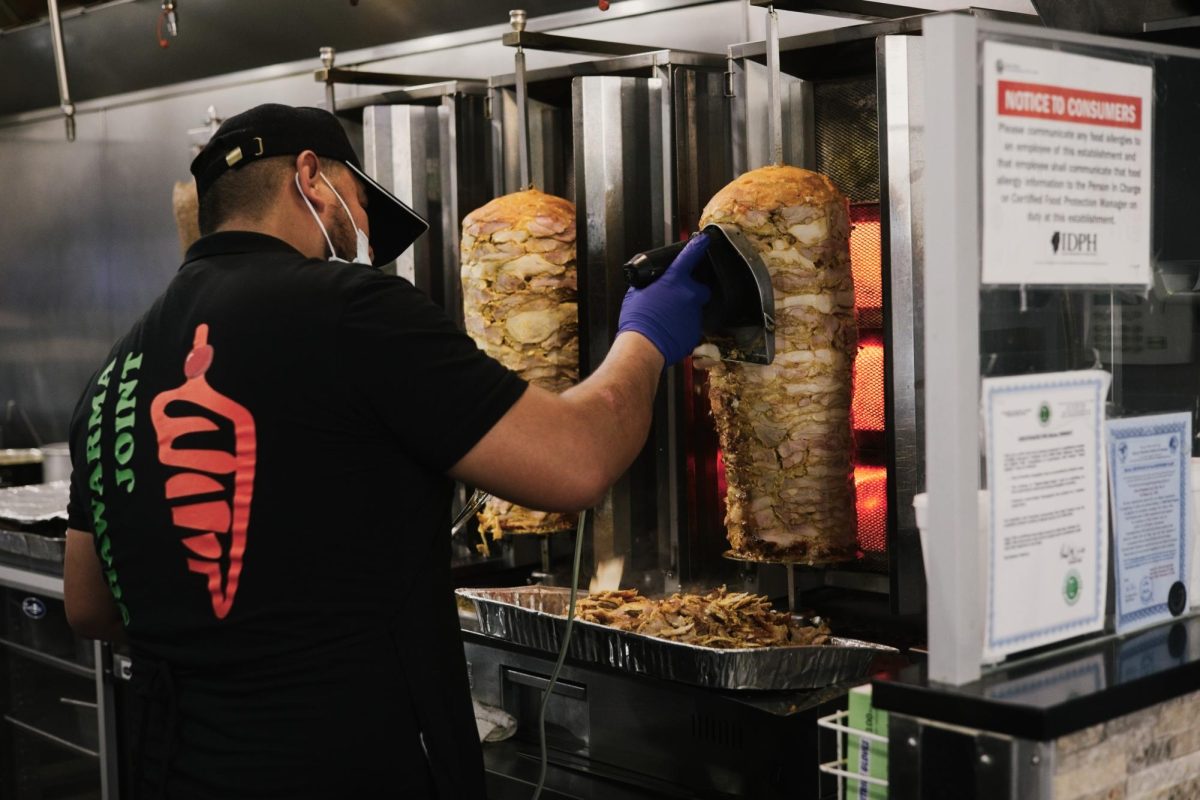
[216, 552]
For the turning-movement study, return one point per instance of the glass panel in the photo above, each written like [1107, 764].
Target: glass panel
[1147, 340]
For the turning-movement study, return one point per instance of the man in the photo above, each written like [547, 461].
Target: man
[262, 479]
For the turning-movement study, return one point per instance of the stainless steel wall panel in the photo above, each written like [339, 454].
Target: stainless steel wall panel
[620, 146]
[619, 156]
[466, 182]
[433, 153]
[550, 164]
[902, 158]
[89, 239]
[750, 136]
[703, 156]
[401, 148]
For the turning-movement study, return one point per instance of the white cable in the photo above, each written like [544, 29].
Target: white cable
[562, 656]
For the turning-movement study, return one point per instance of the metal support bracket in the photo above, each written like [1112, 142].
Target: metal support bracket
[357, 76]
[551, 42]
[854, 9]
[997, 767]
[330, 75]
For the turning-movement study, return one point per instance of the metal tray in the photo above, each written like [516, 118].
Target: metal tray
[535, 616]
[35, 546]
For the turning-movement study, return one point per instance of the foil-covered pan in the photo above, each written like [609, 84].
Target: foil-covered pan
[535, 616]
[36, 546]
[41, 502]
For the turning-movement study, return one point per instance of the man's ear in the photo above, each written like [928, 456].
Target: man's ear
[308, 168]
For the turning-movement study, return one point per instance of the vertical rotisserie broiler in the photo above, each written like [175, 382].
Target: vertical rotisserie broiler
[785, 428]
[519, 298]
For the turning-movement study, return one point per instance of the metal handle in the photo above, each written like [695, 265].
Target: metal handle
[71, 701]
[645, 268]
[571, 690]
[122, 667]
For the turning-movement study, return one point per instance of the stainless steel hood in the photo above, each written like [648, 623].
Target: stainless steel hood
[114, 47]
[1119, 17]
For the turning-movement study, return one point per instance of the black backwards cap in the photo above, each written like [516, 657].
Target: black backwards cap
[277, 130]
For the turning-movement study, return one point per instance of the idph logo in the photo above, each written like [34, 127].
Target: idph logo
[1074, 243]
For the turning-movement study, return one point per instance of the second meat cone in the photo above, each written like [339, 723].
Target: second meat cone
[520, 306]
[784, 428]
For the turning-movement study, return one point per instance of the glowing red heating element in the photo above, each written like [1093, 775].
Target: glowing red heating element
[218, 549]
[867, 405]
[870, 500]
[868, 401]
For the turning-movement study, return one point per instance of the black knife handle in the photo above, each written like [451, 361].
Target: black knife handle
[645, 268]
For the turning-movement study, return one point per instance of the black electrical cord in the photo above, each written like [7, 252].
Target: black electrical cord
[562, 655]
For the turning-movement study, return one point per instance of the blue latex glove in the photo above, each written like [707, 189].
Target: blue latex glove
[667, 312]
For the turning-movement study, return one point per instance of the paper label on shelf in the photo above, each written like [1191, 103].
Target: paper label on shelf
[1066, 168]
[1148, 461]
[1047, 545]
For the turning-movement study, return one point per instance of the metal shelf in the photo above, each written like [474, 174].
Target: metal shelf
[49, 585]
[32, 654]
[54, 738]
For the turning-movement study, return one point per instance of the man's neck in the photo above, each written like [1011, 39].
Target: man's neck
[312, 246]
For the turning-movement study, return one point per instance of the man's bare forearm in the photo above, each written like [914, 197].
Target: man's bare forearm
[562, 452]
[616, 403]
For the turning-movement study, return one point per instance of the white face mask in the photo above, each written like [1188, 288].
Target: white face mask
[363, 244]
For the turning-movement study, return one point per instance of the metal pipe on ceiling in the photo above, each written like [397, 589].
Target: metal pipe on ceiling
[60, 68]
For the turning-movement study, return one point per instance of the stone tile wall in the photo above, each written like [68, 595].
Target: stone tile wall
[1153, 754]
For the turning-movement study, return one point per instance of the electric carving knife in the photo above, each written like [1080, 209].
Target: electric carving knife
[739, 318]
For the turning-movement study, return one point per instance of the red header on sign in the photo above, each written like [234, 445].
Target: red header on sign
[1069, 105]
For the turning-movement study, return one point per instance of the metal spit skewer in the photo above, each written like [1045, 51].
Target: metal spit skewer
[791, 580]
[774, 88]
[517, 18]
[60, 68]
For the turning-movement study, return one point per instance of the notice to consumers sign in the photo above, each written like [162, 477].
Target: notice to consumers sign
[1066, 168]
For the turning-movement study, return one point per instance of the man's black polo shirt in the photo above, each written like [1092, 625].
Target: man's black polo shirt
[262, 462]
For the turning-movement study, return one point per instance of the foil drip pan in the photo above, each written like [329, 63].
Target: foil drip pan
[41, 502]
[535, 616]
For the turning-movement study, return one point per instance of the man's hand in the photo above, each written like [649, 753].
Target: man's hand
[667, 312]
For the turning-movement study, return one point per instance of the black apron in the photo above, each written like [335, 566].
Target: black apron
[429, 650]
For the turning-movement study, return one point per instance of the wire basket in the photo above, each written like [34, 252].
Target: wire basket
[840, 767]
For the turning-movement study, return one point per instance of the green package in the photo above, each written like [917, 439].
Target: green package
[863, 756]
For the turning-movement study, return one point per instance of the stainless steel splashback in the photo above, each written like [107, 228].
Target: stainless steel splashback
[433, 152]
[89, 240]
[551, 167]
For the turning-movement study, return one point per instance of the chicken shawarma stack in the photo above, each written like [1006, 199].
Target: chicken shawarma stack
[520, 307]
[785, 428]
